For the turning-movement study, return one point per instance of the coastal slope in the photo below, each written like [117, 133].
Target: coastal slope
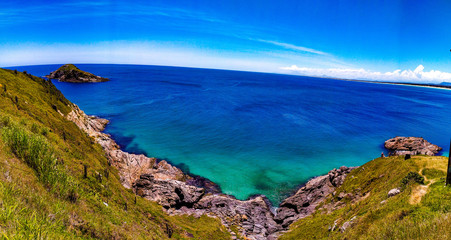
[386, 198]
[45, 191]
[71, 73]
[75, 182]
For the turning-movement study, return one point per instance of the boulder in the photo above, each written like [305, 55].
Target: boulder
[347, 224]
[394, 192]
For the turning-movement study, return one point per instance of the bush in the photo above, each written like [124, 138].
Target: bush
[44, 131]
[34, 128]
[412, 176]
[5, 121]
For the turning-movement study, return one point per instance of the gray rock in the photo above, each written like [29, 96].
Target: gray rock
[411, 146]
[332, 228]
[394, 192]
[168, 193]
[305, 200]
[347, 224]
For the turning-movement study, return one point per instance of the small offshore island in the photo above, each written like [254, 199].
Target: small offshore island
[385, 198]
[71, 73]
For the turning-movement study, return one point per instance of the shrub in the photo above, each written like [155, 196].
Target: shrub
[34, 128]
[412, 176]
[44, 131]
[5, 121]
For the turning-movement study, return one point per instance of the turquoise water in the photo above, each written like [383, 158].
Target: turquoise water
[255, 133]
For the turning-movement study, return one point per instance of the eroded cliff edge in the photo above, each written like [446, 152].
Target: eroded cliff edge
[181, 193]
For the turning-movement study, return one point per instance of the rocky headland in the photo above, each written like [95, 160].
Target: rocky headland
[181, 193]
[70, 73]
[398, 146]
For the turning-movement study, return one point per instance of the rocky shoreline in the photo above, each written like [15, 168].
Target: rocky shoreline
[180, 193]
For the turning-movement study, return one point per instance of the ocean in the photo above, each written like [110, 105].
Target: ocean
[255, 133]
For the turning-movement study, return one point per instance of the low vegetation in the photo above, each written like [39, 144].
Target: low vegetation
[43, 191]
[378, 216]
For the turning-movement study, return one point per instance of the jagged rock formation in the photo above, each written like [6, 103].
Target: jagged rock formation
[130, 166]
[181, 193]
[167, 193]
[411, 146]
[70, 73]
[305, 200]
[253, 218]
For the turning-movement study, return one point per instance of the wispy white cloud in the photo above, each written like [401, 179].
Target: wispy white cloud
[293, 47]
[418, 75]
[126, 52]
[67, 10]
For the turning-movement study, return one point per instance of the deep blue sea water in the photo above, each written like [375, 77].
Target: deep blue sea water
[255, 133]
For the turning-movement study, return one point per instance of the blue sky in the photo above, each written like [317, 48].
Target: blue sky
[356, 39]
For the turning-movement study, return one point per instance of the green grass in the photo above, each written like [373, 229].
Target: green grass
[380, 217]
[41, 172]
[39, 155]
[43, 194]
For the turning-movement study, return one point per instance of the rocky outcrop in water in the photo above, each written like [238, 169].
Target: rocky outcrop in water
[411, 146]
[70, 73]
[181, 193]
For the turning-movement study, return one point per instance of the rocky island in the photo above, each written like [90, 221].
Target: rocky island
[411, 145]
[71, 73]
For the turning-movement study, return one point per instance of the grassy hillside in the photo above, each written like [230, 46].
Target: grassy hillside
[44, 194]
[43, 191]
[420, 211]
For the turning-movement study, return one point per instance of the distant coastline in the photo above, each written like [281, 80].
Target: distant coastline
[438, 86]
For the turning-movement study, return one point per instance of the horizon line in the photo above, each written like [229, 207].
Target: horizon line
[250, 71]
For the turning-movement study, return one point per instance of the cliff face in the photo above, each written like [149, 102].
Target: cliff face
[180, 193]
[70, 73]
